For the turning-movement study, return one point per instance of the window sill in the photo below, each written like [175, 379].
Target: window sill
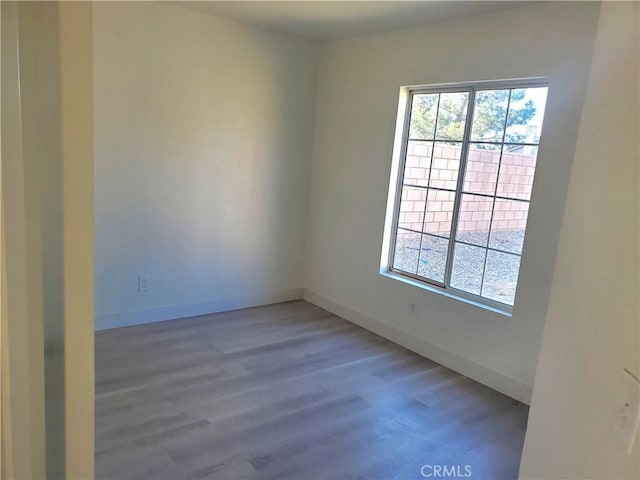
[446, 293]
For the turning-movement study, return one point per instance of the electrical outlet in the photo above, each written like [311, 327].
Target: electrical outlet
[626, 417]
[143, 283]
[413, 309]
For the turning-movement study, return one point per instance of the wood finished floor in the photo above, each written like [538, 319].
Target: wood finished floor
[289, 391]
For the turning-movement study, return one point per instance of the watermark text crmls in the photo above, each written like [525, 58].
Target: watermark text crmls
[446, 471]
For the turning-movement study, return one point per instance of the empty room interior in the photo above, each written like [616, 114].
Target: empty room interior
[321, 240]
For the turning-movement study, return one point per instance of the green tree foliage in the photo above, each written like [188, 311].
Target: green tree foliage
[489, 115]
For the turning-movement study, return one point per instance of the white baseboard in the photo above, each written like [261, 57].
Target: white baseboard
[172, 312]
[509, 386]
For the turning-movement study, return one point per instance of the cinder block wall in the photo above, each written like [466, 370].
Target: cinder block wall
[514, 175]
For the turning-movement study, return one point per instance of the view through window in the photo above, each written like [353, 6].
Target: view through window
[469, 157]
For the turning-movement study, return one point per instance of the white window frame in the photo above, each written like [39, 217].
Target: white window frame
[389, 245]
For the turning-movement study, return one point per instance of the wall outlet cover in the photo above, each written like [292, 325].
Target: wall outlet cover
[143, 283]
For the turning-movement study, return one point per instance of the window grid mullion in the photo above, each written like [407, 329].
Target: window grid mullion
[480, 246]
[461, 173]
[515, 144]
[464, 192]
[399, 187]
[493, 206]
[426, 200]
[426, 233]
[446, 140]
[486, 195]
[437, 189]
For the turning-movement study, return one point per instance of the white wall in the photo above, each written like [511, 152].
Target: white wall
[358, 86]
[203, 131]
[592, 330]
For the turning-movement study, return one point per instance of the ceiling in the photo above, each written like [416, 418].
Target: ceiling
[329, 20]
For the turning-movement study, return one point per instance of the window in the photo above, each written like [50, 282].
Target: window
[465, 177]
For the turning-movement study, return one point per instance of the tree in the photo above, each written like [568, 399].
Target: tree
[423, 116]
[489, 115]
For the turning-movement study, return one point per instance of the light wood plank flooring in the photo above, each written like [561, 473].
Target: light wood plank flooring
[289, 391]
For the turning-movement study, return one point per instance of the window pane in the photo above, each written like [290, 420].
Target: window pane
[490, 113]
[405, 257]
[446, 165]
[468, 265]
[501, 277]
[516, 171]
[423, 116]
[433, 258]
[439, 212]
[508, 225]
[526, 111]
[412, 204]
[482, 168]
[452, 115]
[474, 219]
[418, 163]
